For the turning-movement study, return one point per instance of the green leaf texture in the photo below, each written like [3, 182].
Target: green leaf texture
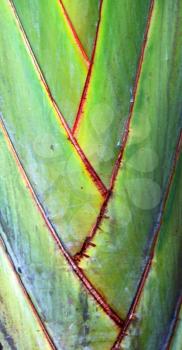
[84, 14]
[122, 241]
[102, 116]
[18, 324]
[164, 283]
[90, 217]
[49, 157]
[56, 50]
[73, 318]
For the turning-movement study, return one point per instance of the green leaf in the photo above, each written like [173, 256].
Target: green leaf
[18, 324]
[121, 244]
[177, 340]
[84, 15]
[163, 286]
[73, 318]
[56, 50]
[50, 157]
[105, 105]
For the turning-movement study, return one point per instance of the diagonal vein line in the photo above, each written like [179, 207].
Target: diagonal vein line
[117, 165]
[131, 313]
[79, 273]
[90, 170]
[168, 344]
[74, 33]
[87, 82]
[27, 296]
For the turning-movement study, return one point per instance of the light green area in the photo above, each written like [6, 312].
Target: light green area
[156, 309]
[124, 237]
[110, 91]
[58, 176]
[84, 17]
[177, 338]
[71, 315]
[57, 53]
[19, 327]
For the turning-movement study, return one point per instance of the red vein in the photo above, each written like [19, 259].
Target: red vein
[90, 170]
[131, 313]
[87, 82]
[27, 296]
[174, 324]
[117, 165]
[75, 35]
[88, 285]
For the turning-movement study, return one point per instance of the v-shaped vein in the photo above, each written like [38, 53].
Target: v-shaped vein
[79, 273]
[117, 165]
[75, 35]
[90, 170]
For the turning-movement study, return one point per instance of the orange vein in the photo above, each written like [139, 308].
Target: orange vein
[90, 170]
[174, 324]
[79, 273]
[87, 82]
[117, 165]
[26, 295]
[131, 313]
[75, 35]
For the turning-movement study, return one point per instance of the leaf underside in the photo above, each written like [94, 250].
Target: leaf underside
[90, 218]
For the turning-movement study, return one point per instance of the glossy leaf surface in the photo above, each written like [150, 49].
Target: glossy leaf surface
[176, 343]
[71, 315]
[164, 283]
[56, 50]
[121, 244]
[84, 15]
[104, 113]
[51, 161]
[18, 324]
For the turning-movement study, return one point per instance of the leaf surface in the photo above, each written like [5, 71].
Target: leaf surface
[18, 324]
[72, 317]
[106, 100]
[163, 286]
[121, 243]
[56, 50]
[50, 158]
[84, 15]
[176, 343]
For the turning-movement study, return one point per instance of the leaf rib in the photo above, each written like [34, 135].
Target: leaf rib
[75, 35]
[87, 82]
[27, 296]
[90, 170]
[79, 273]
[117, 165]
[174, 324]
[148, 265]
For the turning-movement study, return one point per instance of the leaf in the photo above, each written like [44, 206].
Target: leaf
[56, 50]
[59, 172]
[18, 324]
[108, 92]
[163, 285]
[119, 245]
[176, 340]
[84, 16]
[71, 315]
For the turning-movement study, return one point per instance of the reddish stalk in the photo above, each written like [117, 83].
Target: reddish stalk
[75, 35]
[117, 165]
[90, 170]
[87, 82]
[174, 324]
[79, 273]
[27, 296]
[131, 313]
